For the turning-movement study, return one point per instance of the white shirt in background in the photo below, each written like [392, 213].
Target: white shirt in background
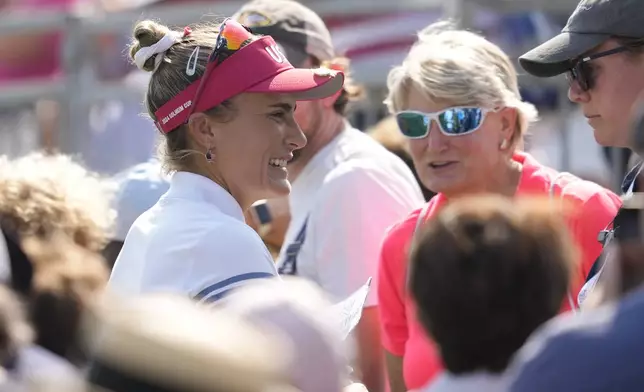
[193, 241]
[348, 195]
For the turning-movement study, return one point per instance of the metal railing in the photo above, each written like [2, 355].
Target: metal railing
[79, 85]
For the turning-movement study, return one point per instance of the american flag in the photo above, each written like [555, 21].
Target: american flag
[376, 42]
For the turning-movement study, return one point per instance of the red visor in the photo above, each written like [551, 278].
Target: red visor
[259, 67]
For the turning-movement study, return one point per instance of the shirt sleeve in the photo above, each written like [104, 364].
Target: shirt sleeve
[391, 290]
[238, 257]
[348, 224]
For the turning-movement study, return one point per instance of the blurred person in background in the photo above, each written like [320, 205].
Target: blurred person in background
[24, 57]
[456, 99]
[114, 135]
[26, 367]
[54, 200]
[41, 194]
[163, 343]
[57, 280]
[121, 134]
[66, 280]
[228, 133]
[386, 132]
[35, 55]
[138, 189]
[347, 189]
[500, 269]
[601, 51]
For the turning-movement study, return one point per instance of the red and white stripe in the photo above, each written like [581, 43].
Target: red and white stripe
[377, 42]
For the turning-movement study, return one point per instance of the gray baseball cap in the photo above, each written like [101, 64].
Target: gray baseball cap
[592, 23]
[298, 29]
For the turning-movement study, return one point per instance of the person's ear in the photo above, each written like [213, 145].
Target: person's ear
[201, 130]
[508, 120]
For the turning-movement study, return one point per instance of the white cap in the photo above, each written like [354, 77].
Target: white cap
[300, 312]
[138, 189]
[168, 341]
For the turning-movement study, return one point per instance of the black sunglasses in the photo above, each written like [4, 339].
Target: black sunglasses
[582, 71]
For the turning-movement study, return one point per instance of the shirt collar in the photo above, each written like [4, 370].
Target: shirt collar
[628, 185]
[195, 187]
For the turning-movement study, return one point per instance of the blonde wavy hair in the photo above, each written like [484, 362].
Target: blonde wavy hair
[41, 194]
[462, 68]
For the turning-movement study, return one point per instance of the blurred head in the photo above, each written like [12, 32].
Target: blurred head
[458, 150]
[601, 50]
[161, 343]
[306, 41]
[302, 314]
[42, 194]
[55, 217]
[229, 117]
[485, 274]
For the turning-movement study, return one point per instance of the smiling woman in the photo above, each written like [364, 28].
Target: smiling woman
[223, 100]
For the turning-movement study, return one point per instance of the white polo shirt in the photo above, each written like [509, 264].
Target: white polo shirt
[341, 206]
[193, 241]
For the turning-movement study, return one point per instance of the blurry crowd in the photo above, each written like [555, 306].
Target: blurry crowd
[269, 245]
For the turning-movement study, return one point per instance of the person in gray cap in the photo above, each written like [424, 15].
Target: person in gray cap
[601, 51]
[347, 188]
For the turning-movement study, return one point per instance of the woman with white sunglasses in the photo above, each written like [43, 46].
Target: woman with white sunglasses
[456, 98]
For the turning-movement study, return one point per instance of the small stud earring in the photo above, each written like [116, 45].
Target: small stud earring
[504, 144]
[209, 156]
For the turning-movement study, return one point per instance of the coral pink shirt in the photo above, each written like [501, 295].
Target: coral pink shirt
[594, 209]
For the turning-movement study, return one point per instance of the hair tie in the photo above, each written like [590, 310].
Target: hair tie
[187, 31]
[165, 43]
